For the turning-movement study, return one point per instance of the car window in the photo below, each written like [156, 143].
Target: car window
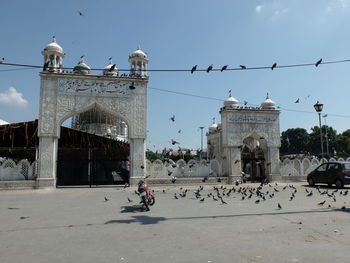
[347, 166]
[333, 166]
[322, 168]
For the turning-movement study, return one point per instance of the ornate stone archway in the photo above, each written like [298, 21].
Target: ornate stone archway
[63, 95]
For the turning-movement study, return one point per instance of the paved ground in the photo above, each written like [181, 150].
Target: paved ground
[77, 225]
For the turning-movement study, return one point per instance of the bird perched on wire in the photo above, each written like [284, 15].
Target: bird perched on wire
[243, 67]
[2, 60]
[318, 62]
[223, 68]
[273, 66]
[210, 68]
[194, 68]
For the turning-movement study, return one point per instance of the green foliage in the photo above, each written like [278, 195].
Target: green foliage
[298, 141]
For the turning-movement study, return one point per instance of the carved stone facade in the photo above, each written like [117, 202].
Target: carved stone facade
[65, 95]
[253, 129]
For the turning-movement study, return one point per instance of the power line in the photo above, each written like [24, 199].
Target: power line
[249, 105]
[15, 69]
[243, 68]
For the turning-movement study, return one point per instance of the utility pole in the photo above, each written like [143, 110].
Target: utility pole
[200, 155]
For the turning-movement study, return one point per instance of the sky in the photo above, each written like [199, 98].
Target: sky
[178, 35]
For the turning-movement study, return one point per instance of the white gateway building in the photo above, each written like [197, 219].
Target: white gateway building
[246, 143]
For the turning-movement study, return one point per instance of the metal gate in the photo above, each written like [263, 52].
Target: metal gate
[90, 167]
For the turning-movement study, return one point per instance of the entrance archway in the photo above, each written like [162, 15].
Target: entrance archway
[64, 95]
[99, 141]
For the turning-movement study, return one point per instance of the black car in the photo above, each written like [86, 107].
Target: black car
[337, 173]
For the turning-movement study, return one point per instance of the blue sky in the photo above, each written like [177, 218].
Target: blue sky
[180, 34]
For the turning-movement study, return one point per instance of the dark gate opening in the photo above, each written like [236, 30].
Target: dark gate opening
[253, 163]
[90, 160]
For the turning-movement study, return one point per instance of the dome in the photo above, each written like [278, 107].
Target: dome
[108, 71]
[81, 68]
[138, 53]
[53, 46]
[231, 102]
[268, 104]
[213, 127]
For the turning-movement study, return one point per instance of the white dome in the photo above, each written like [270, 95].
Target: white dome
[213, 127]
[53, 46]
[139, 53]
[107, 69]
[268, 104]
[231, 102]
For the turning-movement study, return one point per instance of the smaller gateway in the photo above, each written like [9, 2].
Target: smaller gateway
[246, 143]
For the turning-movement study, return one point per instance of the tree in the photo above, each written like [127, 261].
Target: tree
[294, 141]
[315, 140]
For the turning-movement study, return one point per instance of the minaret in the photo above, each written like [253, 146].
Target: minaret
[53, 57]
[138, 63]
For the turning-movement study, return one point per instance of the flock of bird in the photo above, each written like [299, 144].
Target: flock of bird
[265, 192]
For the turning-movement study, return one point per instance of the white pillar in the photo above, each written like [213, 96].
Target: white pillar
[137, 160]
[47, 162]
[273, 164]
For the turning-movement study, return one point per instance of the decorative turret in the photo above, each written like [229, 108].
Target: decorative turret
[82, 67]
[138, 63]
[110, 69]
[230, 102]
[213, 127]
[53, 57]
[268, 104]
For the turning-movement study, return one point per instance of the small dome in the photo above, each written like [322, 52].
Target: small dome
[53, 46]
[82, 68]
[108, 69]
[268, 104]
[138, 53]
[231, 102]
[213, 127]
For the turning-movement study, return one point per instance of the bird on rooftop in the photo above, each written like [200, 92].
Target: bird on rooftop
[210, 68]
[194, 68]
[132, 86]
[273, 66]
[112, 68]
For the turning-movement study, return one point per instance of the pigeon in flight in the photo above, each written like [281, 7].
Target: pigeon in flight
[322, 203]
[173, 142]
[210, 68]
[273, 66]
[80, 13]
[172, 118]
[318, 62]
[194, 68]
[223, 68]
[297, 101]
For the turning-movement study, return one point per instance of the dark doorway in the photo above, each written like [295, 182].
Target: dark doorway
[253, 163]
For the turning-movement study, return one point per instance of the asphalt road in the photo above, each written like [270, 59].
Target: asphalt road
[78, 225]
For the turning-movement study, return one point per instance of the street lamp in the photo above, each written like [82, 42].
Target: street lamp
[326, 135]
[200, 155]
[318, 107]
